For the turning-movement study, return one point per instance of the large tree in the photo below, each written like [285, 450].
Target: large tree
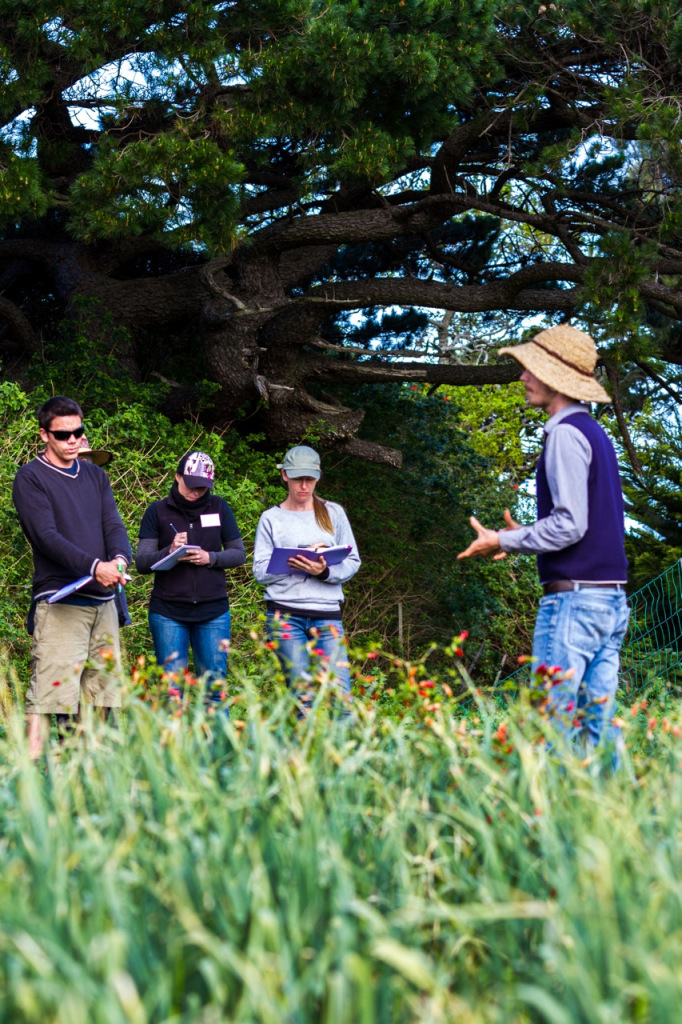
[277, 192]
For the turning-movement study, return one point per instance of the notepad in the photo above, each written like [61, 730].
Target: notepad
[170, 561]
[70, 588]
[278, 564]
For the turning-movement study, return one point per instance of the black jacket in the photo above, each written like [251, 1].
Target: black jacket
[209, 523]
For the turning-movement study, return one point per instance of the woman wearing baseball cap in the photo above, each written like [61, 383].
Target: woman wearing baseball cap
[189, 606]
[304, 604]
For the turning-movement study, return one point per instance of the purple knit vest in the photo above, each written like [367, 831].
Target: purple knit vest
[600, 554]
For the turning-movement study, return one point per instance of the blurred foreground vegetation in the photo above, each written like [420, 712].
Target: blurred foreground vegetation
[428, 860]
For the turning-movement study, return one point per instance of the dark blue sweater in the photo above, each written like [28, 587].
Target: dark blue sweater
[70, 521]
[599, 556]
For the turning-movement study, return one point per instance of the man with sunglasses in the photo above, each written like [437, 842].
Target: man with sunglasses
[68, 514]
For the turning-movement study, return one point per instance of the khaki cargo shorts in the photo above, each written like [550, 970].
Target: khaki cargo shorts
[76, 656]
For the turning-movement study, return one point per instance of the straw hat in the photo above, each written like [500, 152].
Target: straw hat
[100, 456]
[564, 359]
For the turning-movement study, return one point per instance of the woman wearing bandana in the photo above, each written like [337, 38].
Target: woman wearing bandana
[189, 606]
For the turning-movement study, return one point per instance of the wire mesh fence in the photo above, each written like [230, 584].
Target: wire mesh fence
[652, 651]
[653, 646]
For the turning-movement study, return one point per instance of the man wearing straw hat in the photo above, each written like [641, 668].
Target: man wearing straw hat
[578, 537]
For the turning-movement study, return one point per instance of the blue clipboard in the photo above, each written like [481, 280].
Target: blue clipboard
[70, 588]
[279, 559]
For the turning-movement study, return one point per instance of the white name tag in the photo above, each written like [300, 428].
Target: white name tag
[212, 519]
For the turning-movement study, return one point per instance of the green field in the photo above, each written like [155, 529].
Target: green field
[422, 861]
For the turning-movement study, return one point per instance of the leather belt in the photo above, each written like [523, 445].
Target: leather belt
[561, 586]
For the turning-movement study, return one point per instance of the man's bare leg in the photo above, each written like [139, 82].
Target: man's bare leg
[36, 730]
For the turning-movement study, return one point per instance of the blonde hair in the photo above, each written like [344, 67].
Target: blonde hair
[322, 517]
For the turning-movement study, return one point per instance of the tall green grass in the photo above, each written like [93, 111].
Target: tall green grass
[191, 869]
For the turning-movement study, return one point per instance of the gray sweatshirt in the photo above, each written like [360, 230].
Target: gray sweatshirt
[281, 528]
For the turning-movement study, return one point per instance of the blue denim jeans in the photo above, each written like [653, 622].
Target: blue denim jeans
[304, 645]
[583, 630]
[172, 641]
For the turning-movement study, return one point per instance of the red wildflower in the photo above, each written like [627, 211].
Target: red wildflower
[271, 644]
[372, 655]
[57, 682]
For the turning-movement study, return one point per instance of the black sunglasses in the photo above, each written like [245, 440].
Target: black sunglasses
[64, 435]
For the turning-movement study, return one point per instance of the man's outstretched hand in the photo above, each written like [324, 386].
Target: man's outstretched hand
[487, 541]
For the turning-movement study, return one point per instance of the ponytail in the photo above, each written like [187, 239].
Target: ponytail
[322, 517]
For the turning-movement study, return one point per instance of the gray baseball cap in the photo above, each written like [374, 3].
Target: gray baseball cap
[301, 461]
